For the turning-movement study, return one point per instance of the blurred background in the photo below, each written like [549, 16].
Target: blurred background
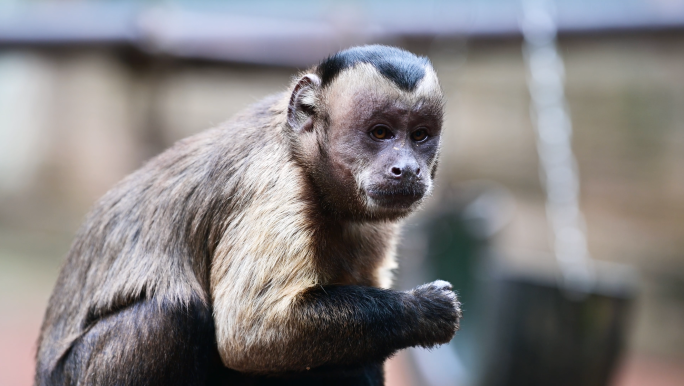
[89, 90]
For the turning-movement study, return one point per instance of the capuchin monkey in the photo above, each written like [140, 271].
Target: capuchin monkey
[260, 252]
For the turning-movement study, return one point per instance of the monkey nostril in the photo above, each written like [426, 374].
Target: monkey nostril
[396, 171]
[417, 172]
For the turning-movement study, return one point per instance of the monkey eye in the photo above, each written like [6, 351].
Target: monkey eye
[419, 135]
[381, 132]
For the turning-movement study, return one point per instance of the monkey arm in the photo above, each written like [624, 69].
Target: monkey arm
[351, 325]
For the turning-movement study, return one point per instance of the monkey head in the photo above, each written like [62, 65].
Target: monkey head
[366, 123]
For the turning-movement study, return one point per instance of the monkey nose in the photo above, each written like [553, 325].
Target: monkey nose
[399, 171]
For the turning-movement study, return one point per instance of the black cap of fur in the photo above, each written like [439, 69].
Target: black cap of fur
[401, 67]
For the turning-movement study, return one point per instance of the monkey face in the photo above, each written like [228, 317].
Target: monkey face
[382, 142]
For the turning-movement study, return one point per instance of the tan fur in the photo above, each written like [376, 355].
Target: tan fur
[267, 257]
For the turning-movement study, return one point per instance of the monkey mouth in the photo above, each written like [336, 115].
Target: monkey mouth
[395, 197]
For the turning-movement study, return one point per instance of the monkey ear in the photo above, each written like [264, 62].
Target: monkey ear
[303, 103]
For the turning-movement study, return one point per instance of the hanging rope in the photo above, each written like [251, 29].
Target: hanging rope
[559, 175]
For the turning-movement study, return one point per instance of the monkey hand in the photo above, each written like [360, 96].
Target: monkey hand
[438, 312]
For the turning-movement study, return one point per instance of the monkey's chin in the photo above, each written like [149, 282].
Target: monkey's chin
[393, 200]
